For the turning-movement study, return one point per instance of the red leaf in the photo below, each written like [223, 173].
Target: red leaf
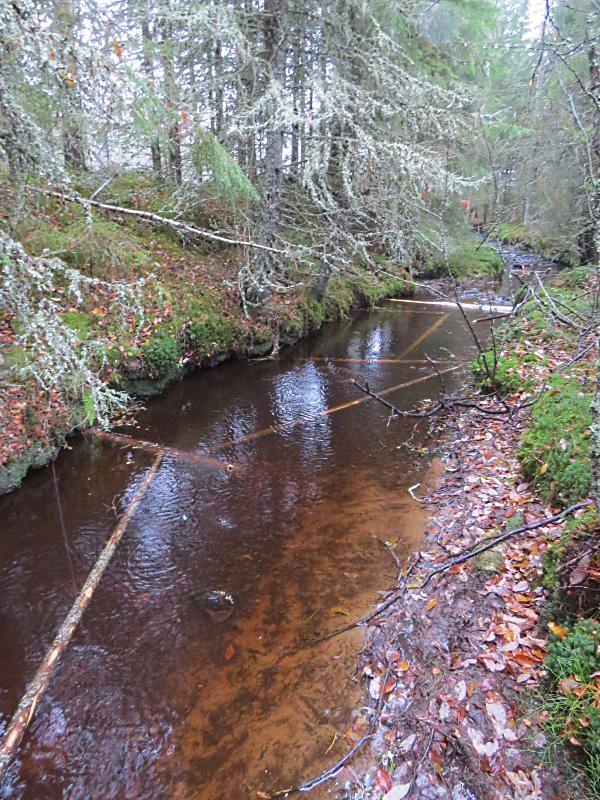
[229, 653]
[383, 780]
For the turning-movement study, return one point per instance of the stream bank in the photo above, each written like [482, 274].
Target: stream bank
[476, 682]
[204, 333]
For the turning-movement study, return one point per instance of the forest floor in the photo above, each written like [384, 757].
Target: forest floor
[464, 700]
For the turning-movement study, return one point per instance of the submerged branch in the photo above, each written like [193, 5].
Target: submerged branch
[307, 786]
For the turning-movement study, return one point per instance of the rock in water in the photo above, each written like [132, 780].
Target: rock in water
[217, 604]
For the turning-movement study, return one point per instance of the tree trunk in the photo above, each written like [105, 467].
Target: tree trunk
[275, 29]
[73, 138]
[174, 161]
[148, 66]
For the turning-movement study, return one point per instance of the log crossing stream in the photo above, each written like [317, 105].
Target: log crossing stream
[273, 483]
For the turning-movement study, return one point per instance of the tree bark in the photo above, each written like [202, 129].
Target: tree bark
[275, 30]
[148, 66]
[174, 160]
[73, 137]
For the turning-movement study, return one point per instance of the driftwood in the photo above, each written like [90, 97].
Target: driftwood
[172, 452]
[490, 307]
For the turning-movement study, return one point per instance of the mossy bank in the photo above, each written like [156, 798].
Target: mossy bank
[189, 315]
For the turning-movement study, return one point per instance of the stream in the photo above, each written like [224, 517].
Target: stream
[154, 697]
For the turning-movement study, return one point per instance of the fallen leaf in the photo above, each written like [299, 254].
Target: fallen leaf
[460, 691]
[398, 792]
[557, 630]
[229, 652]
[340, 610]
[431, 604]
[406, 745]
[383, 780]
[482, 748]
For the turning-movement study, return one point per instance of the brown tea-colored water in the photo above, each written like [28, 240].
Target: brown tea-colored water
[154, 699]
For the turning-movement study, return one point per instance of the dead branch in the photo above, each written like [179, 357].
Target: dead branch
[157, 219]
[324, 777]
[395, 411]
[490, 543]
[480, 547]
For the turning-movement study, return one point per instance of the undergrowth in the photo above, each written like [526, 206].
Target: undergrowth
[555, 448]
[569, 704]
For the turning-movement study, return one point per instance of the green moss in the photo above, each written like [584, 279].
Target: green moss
[208, 334]
[507, 376]
[474, 260]
[555, 448]
[467, 258]
[570, 703]
[490, 560]
[102, 249]
[513, 233]
[35, 457]
[313, 313]
[79, 322]
[161, 355]
[338, 299]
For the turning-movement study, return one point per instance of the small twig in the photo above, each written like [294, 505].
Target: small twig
[438, 373]
[497, 316]
[578, 357]
[396, 411]
[421, 760]
[411, 491]
[390, 550]
[323, 778]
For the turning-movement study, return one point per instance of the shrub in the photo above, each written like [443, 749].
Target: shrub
[555, 448]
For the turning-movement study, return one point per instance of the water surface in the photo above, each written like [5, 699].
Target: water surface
[150, 700]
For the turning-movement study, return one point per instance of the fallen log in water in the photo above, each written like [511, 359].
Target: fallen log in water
[453, 304]
[172, 452]
[36, 688]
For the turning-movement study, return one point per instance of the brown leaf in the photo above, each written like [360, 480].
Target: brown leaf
[557, 630]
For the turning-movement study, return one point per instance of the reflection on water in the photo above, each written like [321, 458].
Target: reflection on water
[154, 698]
